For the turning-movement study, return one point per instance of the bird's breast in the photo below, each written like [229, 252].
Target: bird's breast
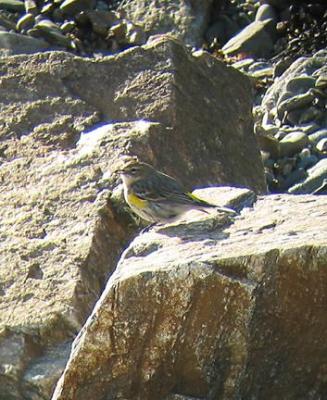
[135, 201]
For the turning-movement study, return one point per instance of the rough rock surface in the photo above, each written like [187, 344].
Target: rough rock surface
[22, 44]
[61, 230]
[204, 119]
[60, 238]
[251, 40]
[213, 308]
[186, 20]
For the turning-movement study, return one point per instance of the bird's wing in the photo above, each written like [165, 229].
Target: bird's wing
[160, 188]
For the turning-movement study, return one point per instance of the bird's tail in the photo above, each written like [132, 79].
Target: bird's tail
[202, 205]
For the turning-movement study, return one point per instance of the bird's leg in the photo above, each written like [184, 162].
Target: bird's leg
[147, 228]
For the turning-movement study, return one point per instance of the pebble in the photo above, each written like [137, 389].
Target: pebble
[322, 146]
[31, 7]
[270, 130]
[68, 26]
[280, 134]
[243, 64]
[119, 30]
[48, 8]
[315, 137]
[50, 32]
[263, 73]
[101, 21]
[316, 176]
[134, 35]
[305, 153]
[258, 66]
[309, 127]
[294, 112]
[12, 5]
[300, 84]
[71, 7]
[264, 12]
[298, 101]
[253, 40]
[293, 143]
[321, 82]
[25, 22]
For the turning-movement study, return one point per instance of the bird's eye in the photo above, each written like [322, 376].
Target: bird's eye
[133, 170]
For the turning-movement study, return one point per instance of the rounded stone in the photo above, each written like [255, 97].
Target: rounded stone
[51, 33]
[25, 22]
[72, 7]
[297, 101]
[48, 8]
[300, 84]
[31, 7]
[12, 5]
[315, 137]
[322, 145]
[321, 82]
[266, 11]
[315, 178]
[67, 26]
[310, 127]
[292, 143]
[280, 135]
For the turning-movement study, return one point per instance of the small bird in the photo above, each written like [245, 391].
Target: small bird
[157, 197]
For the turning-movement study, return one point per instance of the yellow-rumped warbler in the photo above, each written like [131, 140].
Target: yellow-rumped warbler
[157, 197]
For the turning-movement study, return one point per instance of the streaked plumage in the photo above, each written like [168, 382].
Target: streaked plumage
[157, 197]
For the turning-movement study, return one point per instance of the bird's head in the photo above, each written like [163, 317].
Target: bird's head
[135, 170]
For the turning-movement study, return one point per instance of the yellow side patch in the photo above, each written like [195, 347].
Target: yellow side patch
[193, 196]
[135, 201]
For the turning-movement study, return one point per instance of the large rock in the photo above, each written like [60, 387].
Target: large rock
[184, 19]
[213, 309]
[253, 40]
[14, 43]
[60, 239]
[62, 230]
[204, 106]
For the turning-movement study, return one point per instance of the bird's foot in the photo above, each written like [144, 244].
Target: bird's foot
[147, 228]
